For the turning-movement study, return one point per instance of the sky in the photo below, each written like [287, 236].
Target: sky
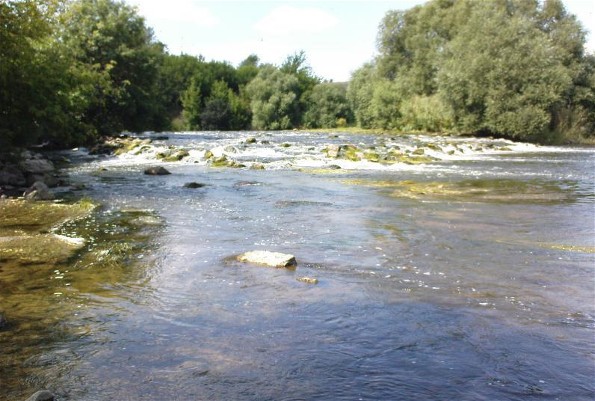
[337, 36]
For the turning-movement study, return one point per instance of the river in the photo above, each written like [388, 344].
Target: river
[468, 277]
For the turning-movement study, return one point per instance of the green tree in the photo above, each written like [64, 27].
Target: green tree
[274, 100]
[112, 40]
[502, 75]
[191, 103]
[175, 75]
[217, 112]
[39, 85]
[514, 68]
[247, 70]
[360, 93]
[296, 65]
[327, 104]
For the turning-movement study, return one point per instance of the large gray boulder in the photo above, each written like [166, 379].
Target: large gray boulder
[38, 191]
[267, 258]
[11, 175]
[37, 166]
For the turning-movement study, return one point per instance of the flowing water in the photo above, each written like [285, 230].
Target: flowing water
[470, 277]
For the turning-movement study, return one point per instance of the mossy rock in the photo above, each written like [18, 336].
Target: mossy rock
[20, 216]
[40, 248]
[372, 157]
[395, 156]
[434, 147]
[223, 161]
[173, 155]
[126, 145]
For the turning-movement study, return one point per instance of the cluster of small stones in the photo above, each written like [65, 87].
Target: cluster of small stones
[378, 154]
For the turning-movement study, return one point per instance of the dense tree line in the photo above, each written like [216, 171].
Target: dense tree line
[514, 68]
[72, 71]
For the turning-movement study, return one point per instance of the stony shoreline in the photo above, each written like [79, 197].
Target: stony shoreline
[28, 174]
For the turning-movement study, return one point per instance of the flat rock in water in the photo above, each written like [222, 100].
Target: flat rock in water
[156, 171]
[267, 258]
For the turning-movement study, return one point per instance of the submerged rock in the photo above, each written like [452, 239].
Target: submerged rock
[194, 185]
[41, 248]
[19, 216]
[156, 171]
[267, 258]
[42, 395]
[3, 321]
[307, 280]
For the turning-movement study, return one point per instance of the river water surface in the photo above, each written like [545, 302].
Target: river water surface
[470, 277]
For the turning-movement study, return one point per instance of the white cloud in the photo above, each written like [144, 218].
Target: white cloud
[181, 11]
[287, 20]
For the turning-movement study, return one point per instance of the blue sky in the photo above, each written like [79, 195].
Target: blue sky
[338, 36]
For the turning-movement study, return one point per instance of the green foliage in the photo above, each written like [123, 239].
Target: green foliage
[296, 66]
[513, 68]
[112, 41]
[360, 93]
[71, 70]
[274, 99]
[175, 75]
[327, 104]
[247, 70]
[426, 113]
[191, 101]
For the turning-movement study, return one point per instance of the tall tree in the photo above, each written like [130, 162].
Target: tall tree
[296, 65]
[274, 99]
[327, 106]
[113, 41]
[505, 67]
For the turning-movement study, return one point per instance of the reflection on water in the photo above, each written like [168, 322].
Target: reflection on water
[467, 279]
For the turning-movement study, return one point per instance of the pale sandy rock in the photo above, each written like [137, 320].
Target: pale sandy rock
[267, 258]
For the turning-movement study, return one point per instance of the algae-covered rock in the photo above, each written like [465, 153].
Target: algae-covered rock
[346, 151]
[224, 161]
[26, 230]
[479, 190]
[126, 145]
[267, 258]
[173, 155]
[40, 248]
[21, 217]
